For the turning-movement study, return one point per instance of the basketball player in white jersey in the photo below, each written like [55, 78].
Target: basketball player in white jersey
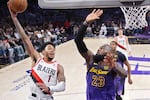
[123, 44]
[47, 76]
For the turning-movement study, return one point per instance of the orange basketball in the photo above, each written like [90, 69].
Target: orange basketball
[18, 6]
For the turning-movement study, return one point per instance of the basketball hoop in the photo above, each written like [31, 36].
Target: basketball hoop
[135, 16]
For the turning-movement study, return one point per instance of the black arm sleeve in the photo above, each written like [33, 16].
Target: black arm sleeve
[79, 39]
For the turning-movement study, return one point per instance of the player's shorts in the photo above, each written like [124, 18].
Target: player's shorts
[103, 98]
[119, 84]
[34, 96]
[36, 93]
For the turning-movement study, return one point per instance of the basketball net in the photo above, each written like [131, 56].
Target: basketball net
[135, 16]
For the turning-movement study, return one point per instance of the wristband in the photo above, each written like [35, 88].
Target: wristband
[85, 23]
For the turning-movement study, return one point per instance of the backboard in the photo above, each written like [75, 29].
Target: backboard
[74, 4]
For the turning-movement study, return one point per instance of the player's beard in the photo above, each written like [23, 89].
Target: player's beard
[50, 59]
[98, 58]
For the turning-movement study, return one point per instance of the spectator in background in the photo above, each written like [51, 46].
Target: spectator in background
[9, 51]
[75, 30]
[89, 32]
[3, 56]
[103, 31]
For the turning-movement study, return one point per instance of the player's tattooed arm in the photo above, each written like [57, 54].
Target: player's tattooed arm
[121, 71]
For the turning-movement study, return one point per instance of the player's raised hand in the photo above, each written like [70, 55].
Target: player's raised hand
[13, 14]
[130, 81]
[110, 60]
[95, 14]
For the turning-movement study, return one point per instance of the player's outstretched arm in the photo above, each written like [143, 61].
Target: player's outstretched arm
[128, 71]
[27, 43]
[95, 14]
[128, 46]
[121, 71]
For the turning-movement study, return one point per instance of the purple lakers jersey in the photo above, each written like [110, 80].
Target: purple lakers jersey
[100, 83]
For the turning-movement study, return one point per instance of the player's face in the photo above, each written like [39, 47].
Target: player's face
[109, 55]
[110, 58]
[113, 45]
[120, 32]
[49, 51]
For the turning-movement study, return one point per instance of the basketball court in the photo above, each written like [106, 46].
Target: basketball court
[15, 84]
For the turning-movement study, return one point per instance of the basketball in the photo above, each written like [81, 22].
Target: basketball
[18, 6]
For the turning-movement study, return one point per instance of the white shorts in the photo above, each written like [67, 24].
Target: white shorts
[36, 97]
[36, 93]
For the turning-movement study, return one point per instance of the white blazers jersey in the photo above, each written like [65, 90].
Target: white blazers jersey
[44, 72]
[121, 41]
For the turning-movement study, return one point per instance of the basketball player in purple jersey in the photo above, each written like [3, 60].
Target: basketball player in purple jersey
[120, 81]
[101, 68]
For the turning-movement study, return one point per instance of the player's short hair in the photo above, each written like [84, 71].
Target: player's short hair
[45, 44]
[107, 48]
[114, 42]
[120, 29]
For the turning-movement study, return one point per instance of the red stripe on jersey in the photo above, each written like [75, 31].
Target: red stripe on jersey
[35, 75]
[37, 78]
[119, 45]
